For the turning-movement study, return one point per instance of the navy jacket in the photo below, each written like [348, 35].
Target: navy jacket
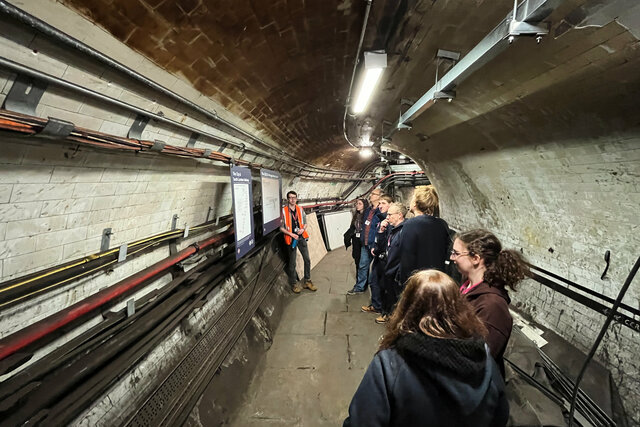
[373, 227]
[438, 382]
[425, 244]
[391, 243]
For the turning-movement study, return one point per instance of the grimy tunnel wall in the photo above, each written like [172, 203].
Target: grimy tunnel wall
[56, 197]
[558, 180]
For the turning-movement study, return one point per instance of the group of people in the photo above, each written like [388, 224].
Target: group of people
[440, 361]
[441, 358]
[387, 248]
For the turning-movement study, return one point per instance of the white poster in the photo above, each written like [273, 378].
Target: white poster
[242, 210]
[271, 200]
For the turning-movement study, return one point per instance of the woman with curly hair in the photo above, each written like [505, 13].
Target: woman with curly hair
[489, 270]
[433, 366]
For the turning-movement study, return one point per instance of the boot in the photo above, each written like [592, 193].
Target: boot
[309, 285]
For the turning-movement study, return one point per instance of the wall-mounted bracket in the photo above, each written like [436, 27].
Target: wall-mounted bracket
[208, 213]
[173, 249]
[135, 132]
[207, 152]
[222, 147]
[122, 253]
[131, 307]
[607, 259]
[24, 95]
[106, 239]
[522, 28]
[186, 232]
[56, 129]
[192, 140]
[444, 94]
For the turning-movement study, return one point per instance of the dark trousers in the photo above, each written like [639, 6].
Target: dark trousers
[291, 268]
[390, 291]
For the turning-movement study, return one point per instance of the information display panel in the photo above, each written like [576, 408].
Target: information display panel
[242, 209]
[271, 199]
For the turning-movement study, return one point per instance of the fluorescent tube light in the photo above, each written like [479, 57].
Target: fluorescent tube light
[366, 88]
[374, 63]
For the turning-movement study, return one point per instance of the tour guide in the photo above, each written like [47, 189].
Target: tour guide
[296, 236]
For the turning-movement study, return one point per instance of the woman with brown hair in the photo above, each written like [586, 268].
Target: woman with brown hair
[489, 270]
[433, 367]
[352, 235]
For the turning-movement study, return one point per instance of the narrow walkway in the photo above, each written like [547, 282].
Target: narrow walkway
[319, 354]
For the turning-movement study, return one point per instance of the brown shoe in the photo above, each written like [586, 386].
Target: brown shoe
[309, 285]
[369, 309]
[381, 320]
[296, 289]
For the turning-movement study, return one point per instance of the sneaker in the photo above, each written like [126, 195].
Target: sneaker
[296, 289]
[309, 285]
[381, 320]
[369, 309]
[354, 291]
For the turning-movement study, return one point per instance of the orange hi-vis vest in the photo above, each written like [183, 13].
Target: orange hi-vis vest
[287, 222]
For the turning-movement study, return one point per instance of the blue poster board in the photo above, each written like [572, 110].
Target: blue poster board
[242, 195]
[271, 200]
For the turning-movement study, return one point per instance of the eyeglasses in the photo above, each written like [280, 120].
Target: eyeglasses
[456, 254]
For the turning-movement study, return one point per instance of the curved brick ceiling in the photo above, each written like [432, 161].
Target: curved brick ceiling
[285, 65]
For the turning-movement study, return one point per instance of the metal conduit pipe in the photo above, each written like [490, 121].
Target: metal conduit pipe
[345, 202]
[56, 81]
[63, 38]
[33, 333]
[353, 73]
[367, 169]
[31, 125]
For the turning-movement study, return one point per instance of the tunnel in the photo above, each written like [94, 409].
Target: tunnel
[149, 148]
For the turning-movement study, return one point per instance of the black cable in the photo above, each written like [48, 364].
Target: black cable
[603, 330]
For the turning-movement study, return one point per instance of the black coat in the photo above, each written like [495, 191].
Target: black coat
[351, 239]
[430, 381]
[390, 243]
[425, 245]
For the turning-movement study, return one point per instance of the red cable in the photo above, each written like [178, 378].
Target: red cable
[32, 333]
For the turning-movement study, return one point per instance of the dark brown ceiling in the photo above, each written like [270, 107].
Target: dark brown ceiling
[285, 65]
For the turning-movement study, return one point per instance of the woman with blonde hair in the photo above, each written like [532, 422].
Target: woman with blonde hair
[425, 242]
[433, 367]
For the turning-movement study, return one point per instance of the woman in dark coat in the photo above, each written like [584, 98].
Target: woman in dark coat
[425, 240]
[433, 367]
[488, 270]
[352, 235]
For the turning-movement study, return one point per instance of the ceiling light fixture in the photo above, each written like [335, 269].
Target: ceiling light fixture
[374, 63]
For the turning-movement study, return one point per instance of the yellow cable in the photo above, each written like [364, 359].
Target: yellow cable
[72, 278]
[97, 256]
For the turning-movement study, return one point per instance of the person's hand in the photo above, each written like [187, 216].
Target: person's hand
[295, 236]
[372, 252]
[383, 225]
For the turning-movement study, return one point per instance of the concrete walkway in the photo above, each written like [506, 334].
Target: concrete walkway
[319, 354]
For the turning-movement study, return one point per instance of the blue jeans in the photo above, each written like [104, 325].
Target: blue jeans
[363, 270]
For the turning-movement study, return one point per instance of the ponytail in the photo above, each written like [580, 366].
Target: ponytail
[504, 267]
[509, 269]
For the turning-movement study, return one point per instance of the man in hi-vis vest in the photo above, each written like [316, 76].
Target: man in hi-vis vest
[294, 228]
